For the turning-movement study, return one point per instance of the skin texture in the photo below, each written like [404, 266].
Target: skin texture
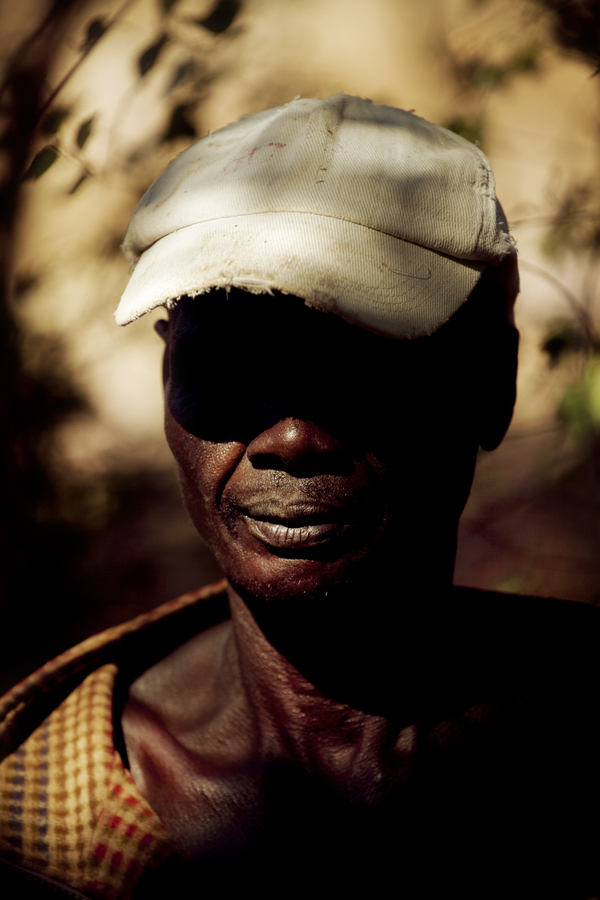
[371, 437]
[327, 468]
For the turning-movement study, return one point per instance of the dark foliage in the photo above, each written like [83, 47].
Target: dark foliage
[151, 54]
[221, 17]
[41, 162]
[95, 30]
[561, 341]
[577, 27]
[180, 124]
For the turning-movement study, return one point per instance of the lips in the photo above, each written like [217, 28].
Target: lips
[297, 523]
[315, 517]
[294, 533]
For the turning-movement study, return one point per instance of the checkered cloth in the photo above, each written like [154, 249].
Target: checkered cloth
[69, 809]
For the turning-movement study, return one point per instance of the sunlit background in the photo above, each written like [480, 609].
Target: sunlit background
[97, 97]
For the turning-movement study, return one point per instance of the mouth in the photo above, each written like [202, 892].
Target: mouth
[297, 528]
[288, 535]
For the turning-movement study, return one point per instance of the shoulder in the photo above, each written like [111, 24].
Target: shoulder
[133, 646]
[545, 618]
[69, 809]
[540, 643]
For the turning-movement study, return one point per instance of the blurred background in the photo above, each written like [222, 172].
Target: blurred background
[96, 97]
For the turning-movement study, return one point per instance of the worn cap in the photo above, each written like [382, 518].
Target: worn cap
[366, 211]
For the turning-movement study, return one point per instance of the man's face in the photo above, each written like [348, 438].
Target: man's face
[311, 452]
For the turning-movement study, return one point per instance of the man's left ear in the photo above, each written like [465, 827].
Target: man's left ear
[498, 389]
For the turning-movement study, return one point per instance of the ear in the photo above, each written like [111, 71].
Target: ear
[499, 389]
[161, 327]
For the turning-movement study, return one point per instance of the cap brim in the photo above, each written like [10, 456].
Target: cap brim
[370, 279]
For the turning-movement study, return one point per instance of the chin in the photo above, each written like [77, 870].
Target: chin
[325, 573]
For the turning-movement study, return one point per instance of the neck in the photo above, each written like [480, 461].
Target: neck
[364, 644]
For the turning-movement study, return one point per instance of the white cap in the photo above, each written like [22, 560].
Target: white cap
[366, 211]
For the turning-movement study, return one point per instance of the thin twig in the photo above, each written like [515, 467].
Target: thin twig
[544, 218]
[84, 53]
[515, 435]
[581, 313]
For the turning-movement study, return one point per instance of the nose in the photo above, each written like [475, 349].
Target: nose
[296, 444]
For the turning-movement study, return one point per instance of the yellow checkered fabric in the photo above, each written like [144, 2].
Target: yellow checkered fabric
[69, 809]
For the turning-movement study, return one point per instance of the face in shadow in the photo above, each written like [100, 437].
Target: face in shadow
[310, 451]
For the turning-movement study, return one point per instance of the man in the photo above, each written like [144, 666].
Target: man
[337, 716]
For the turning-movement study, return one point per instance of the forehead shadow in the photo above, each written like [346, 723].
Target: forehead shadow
[238, 321]
[239, 360]
[260, 313]
[244, 336]
[278, 323]
[274, 311]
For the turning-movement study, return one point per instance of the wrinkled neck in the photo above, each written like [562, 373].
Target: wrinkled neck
[364, 644]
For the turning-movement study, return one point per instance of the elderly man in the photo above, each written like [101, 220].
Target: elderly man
[336, 716]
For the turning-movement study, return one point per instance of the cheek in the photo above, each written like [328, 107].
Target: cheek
[204, 467]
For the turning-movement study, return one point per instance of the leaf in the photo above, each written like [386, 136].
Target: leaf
[41, 162]
[180, 125]
[23, 284]
[471, 129]
[79, 182]
[580, 406]
[150, 55]
[182, 71]
[54, 119]
[574, 413]
[84, 131]
[594, 390]
[95, 30]
[221, 17]
[562, 340]
[526, 60]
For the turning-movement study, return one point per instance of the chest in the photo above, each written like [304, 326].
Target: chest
[485, 790]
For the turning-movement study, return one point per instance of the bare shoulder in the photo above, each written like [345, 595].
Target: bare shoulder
[184, 686]
[188, 741]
